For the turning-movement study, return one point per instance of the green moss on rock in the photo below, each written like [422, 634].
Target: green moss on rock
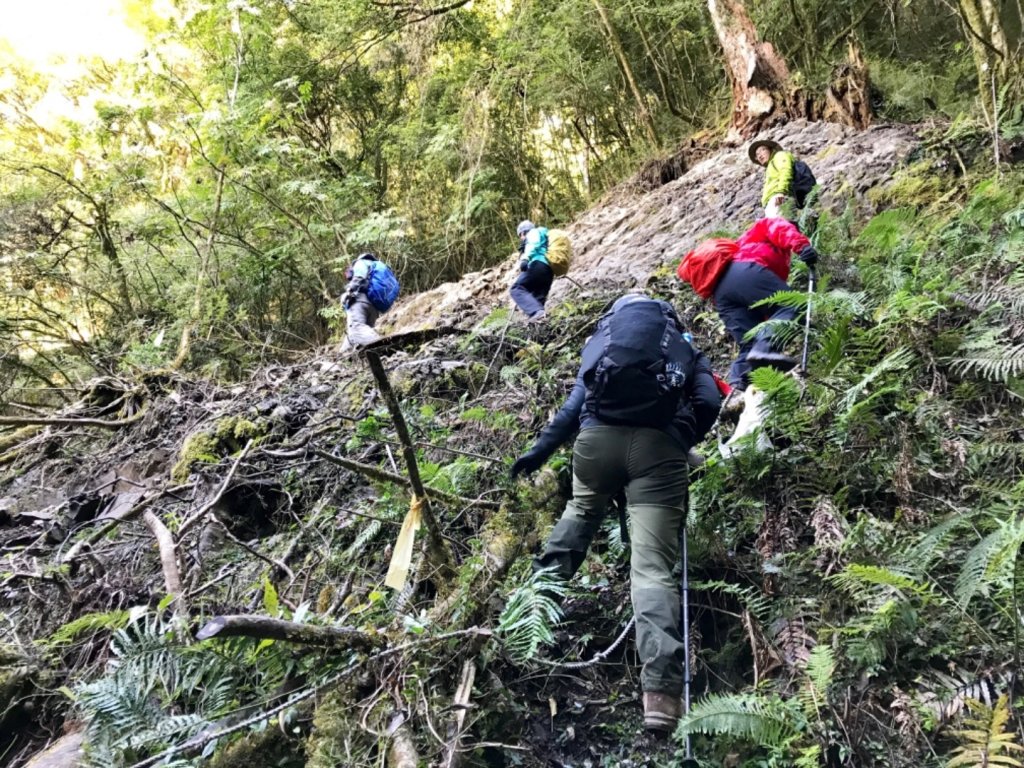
[229, 435]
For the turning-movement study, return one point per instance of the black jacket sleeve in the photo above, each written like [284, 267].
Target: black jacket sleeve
[704, 397]
[698, 409]
[565, 423]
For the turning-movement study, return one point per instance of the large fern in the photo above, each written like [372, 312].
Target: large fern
[986, 742]
[157, 692]
[532, 611]
[991, 359]
[765, 720]
[991, 561]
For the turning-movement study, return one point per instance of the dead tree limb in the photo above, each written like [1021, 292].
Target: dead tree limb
[402, 752]
[435, 539]
[110, 524]
[453, 754]
[24, 421]
[278, 564]
[134, 511]
[168, 560]
[18, 436]
[267, 628]
[376, 473]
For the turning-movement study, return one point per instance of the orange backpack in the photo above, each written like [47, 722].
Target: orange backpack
[704, 265]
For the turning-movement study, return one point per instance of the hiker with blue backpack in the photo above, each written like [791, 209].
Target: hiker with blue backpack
[643, 397]
[788, 182]
[371, 290]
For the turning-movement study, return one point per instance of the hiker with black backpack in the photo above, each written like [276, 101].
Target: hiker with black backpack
[544, 255]
[371, 290]
[787, 181]
[736, 275]
[642, 398]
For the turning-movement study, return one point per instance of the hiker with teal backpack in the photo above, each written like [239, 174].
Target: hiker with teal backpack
[544, 255]
[371, 290]
[788, 182]
[642, 399]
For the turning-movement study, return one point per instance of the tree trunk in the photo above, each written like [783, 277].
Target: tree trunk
[109, 249]
[990, 48]
[627, 71]
[666, 91]
[847, 100]
[757, 73]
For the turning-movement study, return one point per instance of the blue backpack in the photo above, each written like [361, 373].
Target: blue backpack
[382, 289]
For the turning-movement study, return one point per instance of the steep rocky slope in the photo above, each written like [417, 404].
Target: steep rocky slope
[633, 233]
[151, 506]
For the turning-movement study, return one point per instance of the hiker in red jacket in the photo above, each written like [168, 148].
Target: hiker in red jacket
[738, 274]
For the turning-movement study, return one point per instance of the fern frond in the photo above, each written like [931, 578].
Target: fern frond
[1009, 298]
[768, 721]
[857, 580]
[986, 740]
[995, 363]
[754, 600]
[530, 615]
[88, 623]
[813, 693]
[896, 361]
[990, 561]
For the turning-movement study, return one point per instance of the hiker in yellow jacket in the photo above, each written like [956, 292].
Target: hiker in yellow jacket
[787, 181]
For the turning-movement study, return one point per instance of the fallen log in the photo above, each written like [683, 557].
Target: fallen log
[266, 628]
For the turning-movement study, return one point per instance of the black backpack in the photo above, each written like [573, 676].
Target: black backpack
[637, 364]
[803, 182]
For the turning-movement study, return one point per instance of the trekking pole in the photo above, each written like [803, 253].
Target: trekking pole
[686, 626]
[807, 321]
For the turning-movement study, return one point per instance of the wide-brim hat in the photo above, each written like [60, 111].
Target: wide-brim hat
[774, 146]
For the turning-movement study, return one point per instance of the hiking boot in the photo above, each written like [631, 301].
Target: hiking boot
[763, 358]
[661, 711]
[538, 317]
[694, 458]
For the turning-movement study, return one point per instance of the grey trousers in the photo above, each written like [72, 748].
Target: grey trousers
[651, 466]
[361, 316]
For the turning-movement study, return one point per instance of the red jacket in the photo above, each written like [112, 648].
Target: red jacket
[771, 243]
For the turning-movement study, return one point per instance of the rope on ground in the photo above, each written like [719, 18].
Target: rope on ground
[597, 658]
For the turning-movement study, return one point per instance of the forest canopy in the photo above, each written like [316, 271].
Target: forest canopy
[200, 207]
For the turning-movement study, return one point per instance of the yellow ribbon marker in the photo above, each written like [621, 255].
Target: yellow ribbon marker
[401, 557]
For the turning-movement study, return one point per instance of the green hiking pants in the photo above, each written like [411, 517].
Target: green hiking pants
[651, 466]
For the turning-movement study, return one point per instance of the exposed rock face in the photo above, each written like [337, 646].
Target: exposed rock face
[621, 241]
[66, 752]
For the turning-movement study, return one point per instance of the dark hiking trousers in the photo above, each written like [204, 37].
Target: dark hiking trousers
[651, 466]
[530, 290]
[745, 283]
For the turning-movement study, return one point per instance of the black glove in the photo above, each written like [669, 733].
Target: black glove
[528, 463]
[347, 299]
[523, 264]
[808, 255]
